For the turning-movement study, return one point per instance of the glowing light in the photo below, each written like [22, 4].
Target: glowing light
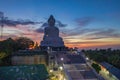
[51, 71]
[87, 58]
[61, 68]
[64, 79]
[33, 46]
[62, 59]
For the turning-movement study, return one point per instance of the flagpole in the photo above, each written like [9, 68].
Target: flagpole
[1, 31]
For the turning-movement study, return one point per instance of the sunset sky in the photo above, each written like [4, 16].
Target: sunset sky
[82, 23]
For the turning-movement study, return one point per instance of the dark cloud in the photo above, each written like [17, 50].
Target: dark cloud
[79, 31]
[108, 32]
[84, 21]
[44, 25]
[92, 34]
[60, 24]
[39, 30]
[17, 22]
[103, 33]
[9, 36]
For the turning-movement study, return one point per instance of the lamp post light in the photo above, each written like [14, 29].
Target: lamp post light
[3, 20]
[61, 68]
[61, 59]
[87, 58]
[51, 70]
[64, 79]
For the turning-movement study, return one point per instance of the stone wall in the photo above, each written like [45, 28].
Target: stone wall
[34, 59]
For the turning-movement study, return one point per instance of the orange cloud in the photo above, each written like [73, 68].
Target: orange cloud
[93, 44]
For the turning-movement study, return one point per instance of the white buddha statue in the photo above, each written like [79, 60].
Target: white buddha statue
[51, 35]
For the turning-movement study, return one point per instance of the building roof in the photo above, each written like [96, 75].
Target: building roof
[113, 70]
[24, 72]
[75, 59]
[79, 72]
[29, 53]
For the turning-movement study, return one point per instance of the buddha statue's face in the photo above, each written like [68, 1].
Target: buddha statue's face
[51, 21]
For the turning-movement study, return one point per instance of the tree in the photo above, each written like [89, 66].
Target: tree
[96, 67]
[114, 60]
[23, 43]
[7, 46]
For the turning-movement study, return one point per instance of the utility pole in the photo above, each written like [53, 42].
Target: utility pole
[1, 23]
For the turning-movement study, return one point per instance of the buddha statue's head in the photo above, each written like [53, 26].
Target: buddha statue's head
[51, 21]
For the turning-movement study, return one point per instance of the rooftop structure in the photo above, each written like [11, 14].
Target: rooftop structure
[24, 72]
[79, 72]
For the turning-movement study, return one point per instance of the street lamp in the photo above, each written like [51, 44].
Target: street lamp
[51, 70]
[61, 59]
[87, 58]
[1, 22]
[61, 68]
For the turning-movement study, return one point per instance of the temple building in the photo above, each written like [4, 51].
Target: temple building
[51, 36]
